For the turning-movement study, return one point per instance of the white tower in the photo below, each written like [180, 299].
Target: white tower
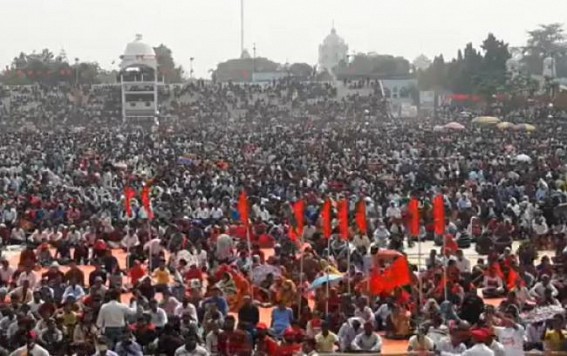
[332, 51]
[549, 68]
[138, 79]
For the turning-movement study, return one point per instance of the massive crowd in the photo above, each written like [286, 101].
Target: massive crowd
[182, 275]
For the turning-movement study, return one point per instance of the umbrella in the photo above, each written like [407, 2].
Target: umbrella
[485, 120]
[525, 127]
[454, 126]
[318, 282]
[505, 125]
[523, 158]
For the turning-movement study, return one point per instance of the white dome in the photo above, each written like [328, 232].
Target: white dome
[333, 39]
[138, 53]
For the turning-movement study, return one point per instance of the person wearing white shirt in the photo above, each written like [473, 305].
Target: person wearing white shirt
[130, 240]
[157, 314]
[538, 290]
[451, 344]
[463, 263]
[30, 349]
[191, 348]
[511, 336]
[112, 316]
[28, 275]
[6, 272]
[368, 340]
[73, 290]
[217, 213]
[186, 308]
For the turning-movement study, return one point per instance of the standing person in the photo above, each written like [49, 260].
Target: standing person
[481, 337]
[112, 315]
[511, 335]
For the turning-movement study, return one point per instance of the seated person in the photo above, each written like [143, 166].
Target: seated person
[493, 286]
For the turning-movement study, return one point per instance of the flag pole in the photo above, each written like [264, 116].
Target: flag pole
[327, 273]
[301, 291]
[444, 267]
[348, 266]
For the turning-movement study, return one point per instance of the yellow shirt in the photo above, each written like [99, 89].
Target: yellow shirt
[326, 343]
[162, 276]
[554, 340]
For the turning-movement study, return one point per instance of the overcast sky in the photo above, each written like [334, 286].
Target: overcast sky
[209, 30]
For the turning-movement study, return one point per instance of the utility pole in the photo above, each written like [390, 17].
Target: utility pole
[241, 27]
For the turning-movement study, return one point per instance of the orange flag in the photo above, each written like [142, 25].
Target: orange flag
[439, 214]
[376, 283]
[146, 201]
[361, 217]
[343, 219]
[298, 220]
[129, 194]
[243, 209]
[413, 209]
[398, 274]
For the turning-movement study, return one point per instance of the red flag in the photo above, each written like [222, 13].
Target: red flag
[361, 217]
[326, 219]
[413, 209]
[439, 214]
[343, 219]
[243, 209]
[129, 194]
[451, 246]
[398, 274]
[376, 283]
[146, 202]
[299, 214]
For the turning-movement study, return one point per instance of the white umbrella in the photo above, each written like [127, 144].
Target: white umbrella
[523, 158]
[454, 126]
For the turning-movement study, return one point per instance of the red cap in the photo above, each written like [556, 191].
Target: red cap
[289, 333]
[261, 326]
[481, 335]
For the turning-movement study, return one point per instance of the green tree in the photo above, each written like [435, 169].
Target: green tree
[302, 70]
[544, 41]
[372, 64]
[166, 65]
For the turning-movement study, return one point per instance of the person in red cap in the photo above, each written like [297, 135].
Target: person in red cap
[481, 337]
[289, 345]
[265, 344]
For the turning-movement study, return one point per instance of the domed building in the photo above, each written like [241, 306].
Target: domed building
[138, 79]
[332, 51]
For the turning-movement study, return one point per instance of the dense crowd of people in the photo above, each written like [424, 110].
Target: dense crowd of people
[176, 270]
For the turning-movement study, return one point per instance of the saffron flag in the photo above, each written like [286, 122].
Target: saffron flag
[146, 202]
[243, 209]
[375, 283]
[129, 194]
[413, 209]
[439, 214]
[296, 231]
[326, 219]
[398, 274]
[343, 219]
[361, 217]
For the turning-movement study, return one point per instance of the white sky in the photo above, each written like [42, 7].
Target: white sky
[209, 30]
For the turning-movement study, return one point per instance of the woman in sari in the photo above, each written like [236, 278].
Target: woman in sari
[227, 287]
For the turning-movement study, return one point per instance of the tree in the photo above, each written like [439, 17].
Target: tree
[544, 41]
[421, 62]
[375, 65]
[241, 69]
[166, 65]
[302, 70]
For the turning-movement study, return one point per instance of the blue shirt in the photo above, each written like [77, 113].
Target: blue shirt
[220, 302]
[281, 320]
